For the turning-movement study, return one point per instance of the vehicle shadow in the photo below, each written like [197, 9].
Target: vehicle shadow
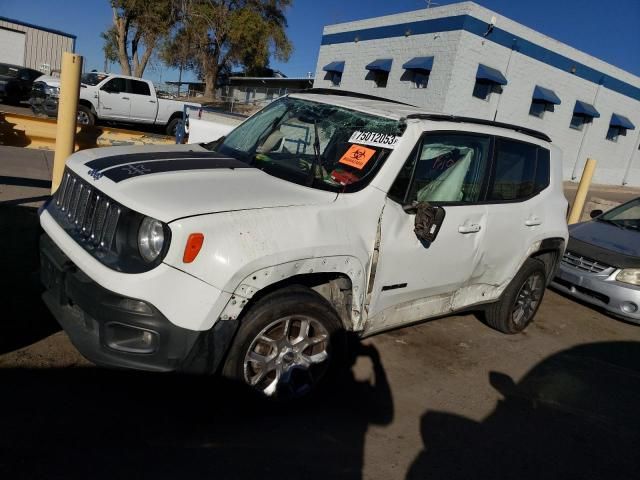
[11, 136]
[24, 319]
[97, 423]
[574, 415]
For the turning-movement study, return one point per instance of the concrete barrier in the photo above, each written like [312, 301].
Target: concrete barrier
[40, 133]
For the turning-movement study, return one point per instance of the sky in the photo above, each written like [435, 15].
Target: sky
[606, 29]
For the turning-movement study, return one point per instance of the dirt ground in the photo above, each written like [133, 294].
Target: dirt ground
[446, 399]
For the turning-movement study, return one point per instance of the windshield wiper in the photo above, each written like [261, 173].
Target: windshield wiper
[317, 163]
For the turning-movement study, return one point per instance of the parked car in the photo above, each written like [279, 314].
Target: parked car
[602, 263]
[116, 98]
[319, 215]
[15, 82]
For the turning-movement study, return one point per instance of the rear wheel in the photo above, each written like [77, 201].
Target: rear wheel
[85, 116]
[287, 345]
[520, 301]
[172, 127]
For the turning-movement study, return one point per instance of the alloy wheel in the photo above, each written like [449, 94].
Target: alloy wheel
[528, 299]
[288, 357]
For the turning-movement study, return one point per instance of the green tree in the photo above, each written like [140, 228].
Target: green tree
[215, 35]
[137, 30]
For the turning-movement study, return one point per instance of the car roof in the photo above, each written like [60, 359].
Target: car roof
[18, 67]
[397, 110]
[117, 75]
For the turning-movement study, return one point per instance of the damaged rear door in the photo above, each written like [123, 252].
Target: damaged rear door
[416, 278]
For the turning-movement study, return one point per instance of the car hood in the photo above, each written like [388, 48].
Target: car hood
[171, 182]
[51, 81]
[609, 237]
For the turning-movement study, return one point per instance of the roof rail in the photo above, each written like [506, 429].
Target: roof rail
[347, 93]
[480, 121]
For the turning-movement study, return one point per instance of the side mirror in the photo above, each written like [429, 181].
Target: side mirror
[596, 213]
[428, 220]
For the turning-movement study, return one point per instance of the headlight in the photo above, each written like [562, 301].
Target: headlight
[150, 239]
[53, 91]
[629, 275]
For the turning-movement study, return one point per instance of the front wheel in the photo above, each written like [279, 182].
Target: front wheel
[521, 299]
[287, 345]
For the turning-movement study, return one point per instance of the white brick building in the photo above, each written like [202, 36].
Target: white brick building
[446, 59]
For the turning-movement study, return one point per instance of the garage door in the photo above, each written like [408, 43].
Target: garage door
[11, 46]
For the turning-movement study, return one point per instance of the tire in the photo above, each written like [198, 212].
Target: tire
[85, 116]
[286, 367]
[172, 127]
[520, 301]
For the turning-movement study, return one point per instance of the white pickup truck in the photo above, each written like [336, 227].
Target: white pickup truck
[116, 98]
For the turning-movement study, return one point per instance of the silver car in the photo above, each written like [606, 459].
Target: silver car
[601, 265]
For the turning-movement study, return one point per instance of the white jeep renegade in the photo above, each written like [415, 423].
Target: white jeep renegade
[321, 214]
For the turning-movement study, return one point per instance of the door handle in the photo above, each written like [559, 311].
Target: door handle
[152, 101]
[124, 98]
[532, 221]
[469, 228]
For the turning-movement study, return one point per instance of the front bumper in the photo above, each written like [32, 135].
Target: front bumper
[113, 330]
[619, 299]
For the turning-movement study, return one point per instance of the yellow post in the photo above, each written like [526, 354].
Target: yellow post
[581, 193]
[67, 114]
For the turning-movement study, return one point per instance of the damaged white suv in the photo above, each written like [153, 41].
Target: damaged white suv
[319, 215]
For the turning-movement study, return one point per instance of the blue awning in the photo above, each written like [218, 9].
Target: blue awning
[419, 63]
[542, 94]
[334, 67]
[585, 109]
[382, 65]
[620, 121]
[490, 75]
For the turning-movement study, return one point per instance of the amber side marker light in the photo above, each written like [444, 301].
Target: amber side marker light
[194, 244]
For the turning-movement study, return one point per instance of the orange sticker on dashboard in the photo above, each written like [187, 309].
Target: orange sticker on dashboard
[357, 156]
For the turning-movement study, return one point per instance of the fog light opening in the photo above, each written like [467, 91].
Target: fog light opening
[629, 307]
[126, 338]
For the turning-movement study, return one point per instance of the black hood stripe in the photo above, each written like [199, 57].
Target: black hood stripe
[138, 169]
[103, 163]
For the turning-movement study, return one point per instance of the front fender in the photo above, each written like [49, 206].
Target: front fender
[247, 250]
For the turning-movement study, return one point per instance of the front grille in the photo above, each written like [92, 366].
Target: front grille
[85, 213]
[585, 264]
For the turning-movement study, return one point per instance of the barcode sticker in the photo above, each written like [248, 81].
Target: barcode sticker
[374, 139]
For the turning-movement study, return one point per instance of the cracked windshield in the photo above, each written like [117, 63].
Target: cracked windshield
[313, 144]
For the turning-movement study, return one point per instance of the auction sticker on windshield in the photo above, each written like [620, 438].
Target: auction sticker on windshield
[357, 156]
[374, 139]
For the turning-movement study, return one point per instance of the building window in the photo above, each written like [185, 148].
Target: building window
[614, 132]
[379, 71]
[618, 126]
[418, 70]
[420, 79]
[577, 122]
[543, 100]
[334, 72]
[380, 78]
[482, 90]
[488, 80]
[537, 109]
[336, 78]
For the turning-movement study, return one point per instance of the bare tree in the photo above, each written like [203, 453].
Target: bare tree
[215, 35]
[138, 27]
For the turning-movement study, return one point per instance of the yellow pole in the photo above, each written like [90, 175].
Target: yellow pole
[67, 114]
[581, 193]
